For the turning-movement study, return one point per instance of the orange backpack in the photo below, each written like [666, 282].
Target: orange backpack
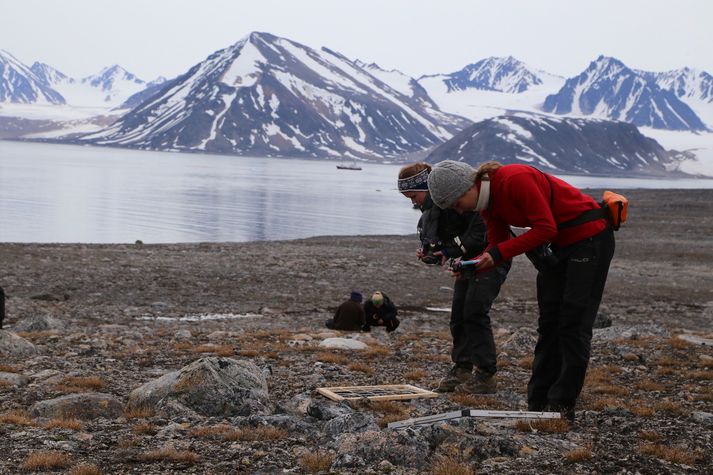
[618, 207]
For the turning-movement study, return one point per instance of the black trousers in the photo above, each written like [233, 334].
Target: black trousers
[568, 295]
[473, 295]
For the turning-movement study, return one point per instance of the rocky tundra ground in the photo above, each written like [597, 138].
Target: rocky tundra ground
[205, 358]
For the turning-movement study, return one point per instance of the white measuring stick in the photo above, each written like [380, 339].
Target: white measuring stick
[473, 413]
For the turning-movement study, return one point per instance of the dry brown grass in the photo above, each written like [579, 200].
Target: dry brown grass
[525, 362]
[182, 346]
[578, 455]
[610, 389]
[475, 401]
[650, 435]
[672, 454]
[139, 412]
[18, 418]
[70, 423]
[415, 374]
[669, 406]
[168, 454]
[375, 351]
[45, 461]
[667, 361]
[678, 343]
[606, 403]
[39, 335]
[128, 442]
[316, 462]
[144, 429]
[211, 431]
[665, 371]
[597, 376]
[649, 386]
[85, 469]
[384, 420]
[643, 341]
[386, 407]
[631, 357]
[251, 434]
[80, 384]
[5, 368]
[448, 466]
[361, 368]
[706, 375]
[334, 358]
[640, 408]
[550, 426]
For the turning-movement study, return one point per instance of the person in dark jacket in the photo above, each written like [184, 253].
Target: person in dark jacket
[379, 310]
[349, 315]
[569, 290]
[447, 234]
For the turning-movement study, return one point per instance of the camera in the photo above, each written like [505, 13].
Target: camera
[461, 265]
[429, 247]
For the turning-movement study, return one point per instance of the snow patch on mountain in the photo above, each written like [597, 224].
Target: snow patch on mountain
[20, 85]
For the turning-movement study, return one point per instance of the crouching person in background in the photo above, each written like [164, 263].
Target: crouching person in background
[349, 315]
[379, 310]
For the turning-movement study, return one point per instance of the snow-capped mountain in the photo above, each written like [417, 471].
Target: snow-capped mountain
[271, 96]
[110, 87]
[561, 145]
[492, 74]
[19, 84]
[491, 87]
[692, 86]
[609, 89]
[151, 88]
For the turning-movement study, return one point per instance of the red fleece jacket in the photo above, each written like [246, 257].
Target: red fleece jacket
[522, 196]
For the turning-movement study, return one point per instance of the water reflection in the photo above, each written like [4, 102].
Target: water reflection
[52, 193]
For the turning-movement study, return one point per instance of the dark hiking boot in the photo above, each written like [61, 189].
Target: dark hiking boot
[566, 411]
[480, 383]
[456, 376]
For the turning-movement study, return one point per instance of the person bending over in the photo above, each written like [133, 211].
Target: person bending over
[349, 315]
[447, 234]
[569, 288]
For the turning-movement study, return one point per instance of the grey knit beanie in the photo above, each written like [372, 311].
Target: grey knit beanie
[449, 180]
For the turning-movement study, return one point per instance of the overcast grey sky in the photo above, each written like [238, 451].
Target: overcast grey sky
[166, 37]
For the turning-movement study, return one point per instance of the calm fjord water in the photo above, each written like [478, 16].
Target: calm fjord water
[63, 193]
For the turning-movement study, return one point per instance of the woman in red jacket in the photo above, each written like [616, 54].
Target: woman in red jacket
[569, 290]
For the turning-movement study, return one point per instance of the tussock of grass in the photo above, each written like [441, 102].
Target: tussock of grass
[334, 358]
[168, 454]
[672, 454]
[649, 386]
[550, 426]
[700, 375]
[665, 371]
[578, 455]
[18, 418]
[641, 409]
[375, 351]
[668, 361]
[447, 466]
[85, 469]
[525, 362]
[220, 350]
[45, 461]
[316, 462]
[80, 384]
[678, 343]
[606, 403]
[256, 434]
[669, 406]
[182, 346]
[611, 389]
[144, 429]
[211, 431]
[4, 368]
[65, 423]
[139, 412]
[650, 435]
[415, 375]
[361, 368]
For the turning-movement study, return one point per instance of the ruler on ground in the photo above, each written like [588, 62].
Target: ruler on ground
[473, 413]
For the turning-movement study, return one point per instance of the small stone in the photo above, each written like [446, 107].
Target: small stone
[343, 344]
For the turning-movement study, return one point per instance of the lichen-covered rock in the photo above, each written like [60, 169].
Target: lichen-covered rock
[38, 323]
[13, 379]
[522, 341]
[343, 344]
[14, 345]
[211, 386]
[85, 406]
[347, 423]
[373, 447]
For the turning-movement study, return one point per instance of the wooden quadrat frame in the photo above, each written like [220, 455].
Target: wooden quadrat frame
[388, 392]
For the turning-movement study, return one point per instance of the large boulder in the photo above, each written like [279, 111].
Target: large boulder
[84, 406]
[211, 386]
[14, 345]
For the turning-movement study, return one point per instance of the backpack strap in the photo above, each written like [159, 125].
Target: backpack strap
[587, 216]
